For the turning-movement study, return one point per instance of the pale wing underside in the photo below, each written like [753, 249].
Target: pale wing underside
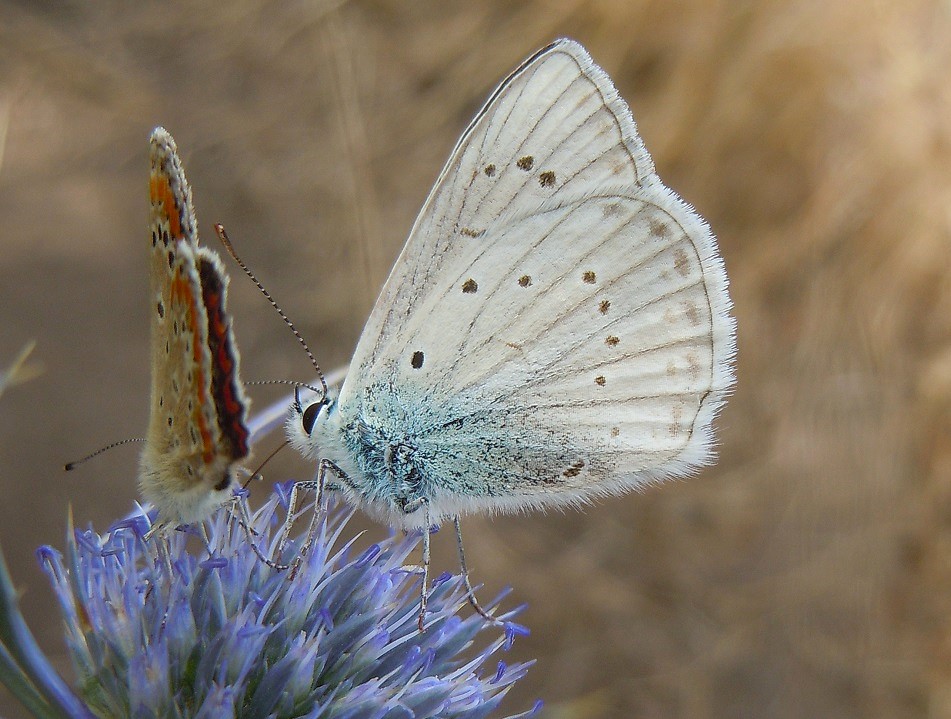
[558, 323]
[555, 127]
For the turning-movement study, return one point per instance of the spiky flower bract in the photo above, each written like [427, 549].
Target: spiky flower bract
[158, 628]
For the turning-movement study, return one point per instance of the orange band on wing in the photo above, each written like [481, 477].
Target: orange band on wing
[161, 191]
[181, 291]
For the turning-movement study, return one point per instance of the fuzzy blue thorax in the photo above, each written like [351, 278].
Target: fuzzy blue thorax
[394, 445]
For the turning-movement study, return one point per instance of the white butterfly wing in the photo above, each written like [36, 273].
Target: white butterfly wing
[556, 125]
[557, 325]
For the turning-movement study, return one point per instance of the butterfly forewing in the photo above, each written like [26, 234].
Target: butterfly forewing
[556, 126]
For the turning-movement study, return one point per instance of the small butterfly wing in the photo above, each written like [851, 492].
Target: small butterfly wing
[198, 409]
[558, 323]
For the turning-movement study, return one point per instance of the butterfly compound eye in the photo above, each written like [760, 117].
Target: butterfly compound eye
[309, 418]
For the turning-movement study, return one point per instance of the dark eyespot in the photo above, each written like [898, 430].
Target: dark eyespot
[524, 281]
[417, 360]
[470, 286]
[525, 163]
[489, 170]
[171, 259]
[161, 309]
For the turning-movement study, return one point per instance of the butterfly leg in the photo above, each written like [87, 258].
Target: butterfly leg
[156, 529]
[409, 508]
[426, 557]
[206, 540]
[470, 594]
[321, 485]
[163, 549]
[244, 519]
[292, 511]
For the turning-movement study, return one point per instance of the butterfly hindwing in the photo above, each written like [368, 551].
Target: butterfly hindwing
[230, 402]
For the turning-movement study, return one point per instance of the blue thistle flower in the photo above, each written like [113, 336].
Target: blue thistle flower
[156, 631]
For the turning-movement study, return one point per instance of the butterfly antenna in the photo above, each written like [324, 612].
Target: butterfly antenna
[69, 466]
[272, 455]
[289, 382]
[223, 236]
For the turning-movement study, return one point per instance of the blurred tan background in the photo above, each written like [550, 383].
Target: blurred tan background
[807, 575]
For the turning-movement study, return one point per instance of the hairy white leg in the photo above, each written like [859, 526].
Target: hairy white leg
[426, 557]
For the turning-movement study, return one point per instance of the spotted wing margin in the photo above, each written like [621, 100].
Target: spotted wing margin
[231, 403]
[555, 127]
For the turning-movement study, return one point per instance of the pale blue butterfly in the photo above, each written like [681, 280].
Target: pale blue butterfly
[557, 327]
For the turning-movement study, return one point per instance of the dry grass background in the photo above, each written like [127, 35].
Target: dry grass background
[807, 575]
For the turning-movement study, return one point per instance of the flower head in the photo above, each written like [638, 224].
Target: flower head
[156, 630]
